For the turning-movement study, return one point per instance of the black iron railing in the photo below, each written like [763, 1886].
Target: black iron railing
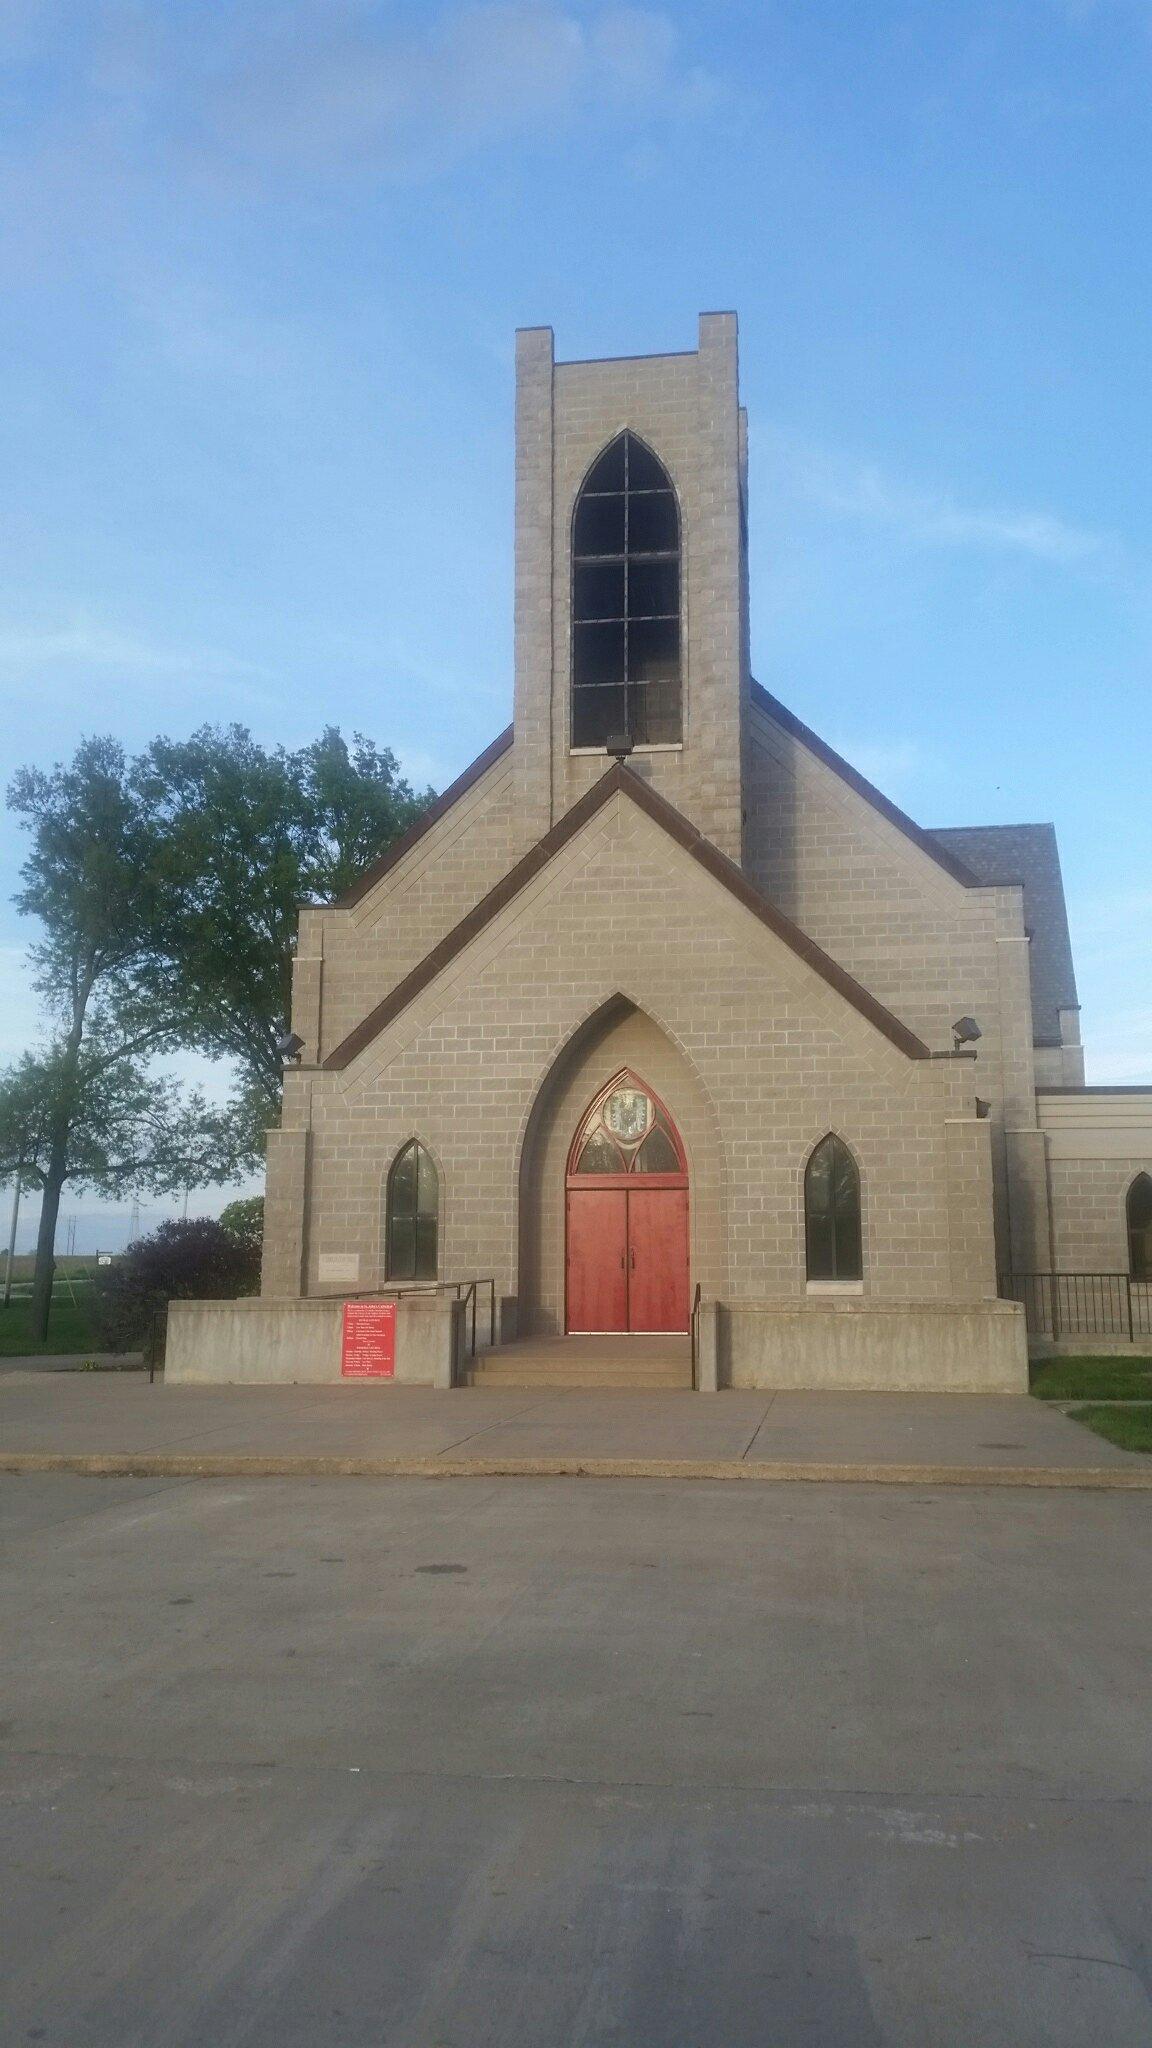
[467, 1291]
[1082, 1304]
[695, 1328]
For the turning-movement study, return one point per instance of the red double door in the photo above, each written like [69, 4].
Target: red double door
[628, 1258]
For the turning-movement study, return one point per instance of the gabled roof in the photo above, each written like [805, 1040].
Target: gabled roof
[1028, 854]
[425, 822]
[621, 781]
[928, 842]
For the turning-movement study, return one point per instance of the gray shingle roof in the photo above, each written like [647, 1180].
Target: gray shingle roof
[1028, 854]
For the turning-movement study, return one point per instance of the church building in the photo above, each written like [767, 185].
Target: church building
[668, 1024]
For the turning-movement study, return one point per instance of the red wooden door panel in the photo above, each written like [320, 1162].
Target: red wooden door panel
[597, 1259]
[657, 1258]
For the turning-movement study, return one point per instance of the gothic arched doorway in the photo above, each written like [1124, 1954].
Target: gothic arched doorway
[627, 1215]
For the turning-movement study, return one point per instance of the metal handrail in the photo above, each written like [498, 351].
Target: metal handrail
[463, 1290]
[694, 1327]
[1103, 1304]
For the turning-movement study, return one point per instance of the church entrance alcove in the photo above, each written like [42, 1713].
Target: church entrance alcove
[627, 1242]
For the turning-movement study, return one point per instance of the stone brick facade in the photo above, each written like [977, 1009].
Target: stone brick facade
[738, 919]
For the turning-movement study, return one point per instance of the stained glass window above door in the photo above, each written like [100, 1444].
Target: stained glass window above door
[627, 1131]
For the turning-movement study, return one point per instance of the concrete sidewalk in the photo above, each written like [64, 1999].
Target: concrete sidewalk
[120, 1424]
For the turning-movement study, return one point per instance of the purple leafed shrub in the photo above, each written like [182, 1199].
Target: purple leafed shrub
[195, 1260]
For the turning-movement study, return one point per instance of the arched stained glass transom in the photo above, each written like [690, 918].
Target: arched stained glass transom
[412, 1215]
[627, 1131]
[626, 600]
[832, 1212]
[1139, 1213]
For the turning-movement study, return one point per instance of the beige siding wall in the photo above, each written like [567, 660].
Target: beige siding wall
[1097, 1143]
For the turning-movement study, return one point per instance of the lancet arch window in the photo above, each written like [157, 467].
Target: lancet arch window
[626, 665]
[832, 1212]
[412, 1215]
[1139, 1218]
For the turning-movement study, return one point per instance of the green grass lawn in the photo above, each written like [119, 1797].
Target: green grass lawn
[1130, 1428]
[1092, 1379]
[70, 1328]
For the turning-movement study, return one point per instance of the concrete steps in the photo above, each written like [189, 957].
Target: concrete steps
[600, 1363]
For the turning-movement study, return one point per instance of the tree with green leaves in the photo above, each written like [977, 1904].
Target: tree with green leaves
[245, 1219]
[246, 835]
[95, 1117]
[22, 1123]
[167, 891]
[90, 880]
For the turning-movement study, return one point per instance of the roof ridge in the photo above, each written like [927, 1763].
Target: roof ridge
[1017, 825]
[916, 833]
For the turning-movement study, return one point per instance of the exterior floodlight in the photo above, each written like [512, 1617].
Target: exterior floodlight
[966, 1031]
[289, 1046]
[619, 746]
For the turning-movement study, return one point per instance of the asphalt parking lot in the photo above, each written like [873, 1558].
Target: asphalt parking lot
[443, 1764]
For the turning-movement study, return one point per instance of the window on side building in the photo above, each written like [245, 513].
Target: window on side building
[1139, 1210]
[832, 1212]
[626, 601]
[412, 1215]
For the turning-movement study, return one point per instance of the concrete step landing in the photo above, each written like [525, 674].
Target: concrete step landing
[599, 1362]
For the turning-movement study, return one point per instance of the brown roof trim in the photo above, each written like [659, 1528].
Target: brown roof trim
[430, 817]
[956, 868]
[620, 779]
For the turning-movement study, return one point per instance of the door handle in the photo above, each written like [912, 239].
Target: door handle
[632, 1255]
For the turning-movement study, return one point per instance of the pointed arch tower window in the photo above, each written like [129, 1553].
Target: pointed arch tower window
[1139, 1214]
[832, 1212]
[626, 668]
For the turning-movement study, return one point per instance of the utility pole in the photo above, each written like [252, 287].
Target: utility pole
[12, 1241]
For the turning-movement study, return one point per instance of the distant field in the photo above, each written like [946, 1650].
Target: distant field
[76, 1265]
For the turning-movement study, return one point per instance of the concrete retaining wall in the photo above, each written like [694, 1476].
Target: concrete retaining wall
[961, 1347]
[261, 1341]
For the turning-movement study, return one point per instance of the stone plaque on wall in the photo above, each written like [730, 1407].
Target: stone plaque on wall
[339, 1266]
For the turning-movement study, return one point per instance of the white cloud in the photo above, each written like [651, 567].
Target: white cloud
[85, 643]
[932, 518]
[327, 86]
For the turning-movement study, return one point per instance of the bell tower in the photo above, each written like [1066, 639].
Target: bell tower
[631, 576]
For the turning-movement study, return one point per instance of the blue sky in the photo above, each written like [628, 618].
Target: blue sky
[260, 267]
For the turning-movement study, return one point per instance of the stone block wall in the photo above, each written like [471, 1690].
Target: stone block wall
[686, 407]
[761, 1051]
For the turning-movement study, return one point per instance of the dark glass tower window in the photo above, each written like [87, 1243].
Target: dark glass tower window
[1140, 1227]
[626, 600]
[832, 1212]
[412, 1215]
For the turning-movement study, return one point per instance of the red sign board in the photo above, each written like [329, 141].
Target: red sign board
[369, 1348]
